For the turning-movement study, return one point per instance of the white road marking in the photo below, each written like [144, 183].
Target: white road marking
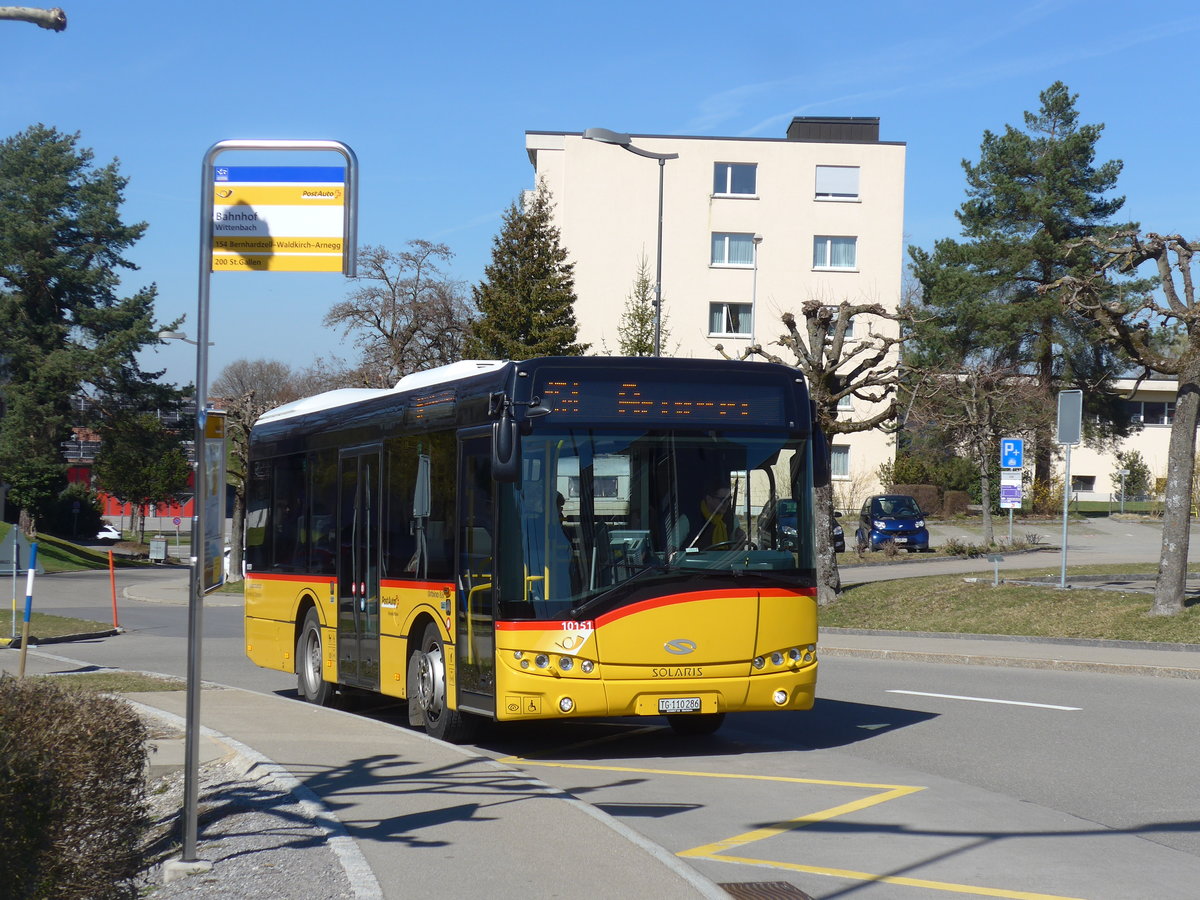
[990, 700]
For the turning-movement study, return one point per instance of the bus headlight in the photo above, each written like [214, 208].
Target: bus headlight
[794, 654]
[542, 661]
[566, 704]
[587, 666]
[777, 658]
[780, 698]
[566, 663]
[758, 662]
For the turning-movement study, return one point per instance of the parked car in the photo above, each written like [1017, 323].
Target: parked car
[108, 534]
[891, 518]
[783, 518]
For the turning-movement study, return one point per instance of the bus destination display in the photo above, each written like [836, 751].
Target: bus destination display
[628, 400]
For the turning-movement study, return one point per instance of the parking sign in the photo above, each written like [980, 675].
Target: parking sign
[1012, 453]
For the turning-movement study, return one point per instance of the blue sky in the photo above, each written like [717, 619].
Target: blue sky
[435, 99]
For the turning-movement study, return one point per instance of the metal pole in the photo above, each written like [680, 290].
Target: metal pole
[662, 166]
[191, 755]
[1062, 583]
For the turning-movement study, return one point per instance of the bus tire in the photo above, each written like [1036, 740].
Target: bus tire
[310, 682]
[696, 725]
[427, 691]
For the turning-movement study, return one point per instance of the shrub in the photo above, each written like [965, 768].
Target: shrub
[72, 793]
[954, 503]
[928, 496]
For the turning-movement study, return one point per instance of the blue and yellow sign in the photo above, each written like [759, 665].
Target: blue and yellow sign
[278, 218]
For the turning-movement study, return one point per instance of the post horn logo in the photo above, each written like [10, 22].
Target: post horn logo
[679, 646]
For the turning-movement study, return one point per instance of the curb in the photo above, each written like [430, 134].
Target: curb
[1014, 662]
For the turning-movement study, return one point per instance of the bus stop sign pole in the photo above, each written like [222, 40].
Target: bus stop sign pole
[201, 488]
[1070, 424]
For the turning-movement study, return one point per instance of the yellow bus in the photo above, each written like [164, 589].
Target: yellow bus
[553, 538]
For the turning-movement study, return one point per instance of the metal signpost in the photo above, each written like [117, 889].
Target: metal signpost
[1012, 460]
[251, 219]
[1070, 428]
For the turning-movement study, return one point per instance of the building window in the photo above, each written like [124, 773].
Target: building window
[833, 252]
[729, 318]
[846, 402]
[837, 183]
[1151, 412]
[839, 461]
[738, 179]
[1083, 483]
[732, 249]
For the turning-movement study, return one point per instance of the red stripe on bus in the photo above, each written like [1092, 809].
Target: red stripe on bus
[656, 603]
[417, 585]
[275, 576]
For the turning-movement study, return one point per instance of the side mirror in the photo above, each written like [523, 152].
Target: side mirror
[506, 449]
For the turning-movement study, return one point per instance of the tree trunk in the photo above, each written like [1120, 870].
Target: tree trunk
[1177, 506]
[829, 580]
[985, 488]
[239, 530]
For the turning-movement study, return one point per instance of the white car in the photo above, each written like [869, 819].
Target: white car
[108, 534]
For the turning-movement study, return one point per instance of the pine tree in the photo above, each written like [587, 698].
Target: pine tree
[635, 332]
[1033, 195]
[62, 326]
[526, 301]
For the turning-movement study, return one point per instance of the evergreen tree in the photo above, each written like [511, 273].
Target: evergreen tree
[635, 332]
[1031, 198]
[141, 462]
[62, 327]
[526, 301]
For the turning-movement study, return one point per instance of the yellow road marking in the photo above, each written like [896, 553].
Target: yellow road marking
[718, 850]
[852, 875]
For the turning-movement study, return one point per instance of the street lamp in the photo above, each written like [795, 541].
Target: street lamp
[179, 336]
[754, 291]
[604, 136]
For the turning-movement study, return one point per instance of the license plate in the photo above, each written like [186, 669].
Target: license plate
[900, 540]
[679, 704]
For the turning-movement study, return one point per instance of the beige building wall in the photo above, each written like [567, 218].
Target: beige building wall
[606, 205]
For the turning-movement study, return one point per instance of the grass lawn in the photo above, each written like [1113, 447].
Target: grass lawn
[950, 603]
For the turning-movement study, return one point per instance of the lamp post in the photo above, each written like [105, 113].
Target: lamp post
[604, 136]
[754, 291]
[179, 336]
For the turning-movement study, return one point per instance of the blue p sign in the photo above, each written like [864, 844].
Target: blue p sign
[1012, 453]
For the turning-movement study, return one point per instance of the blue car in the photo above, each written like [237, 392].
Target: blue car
[894, 519]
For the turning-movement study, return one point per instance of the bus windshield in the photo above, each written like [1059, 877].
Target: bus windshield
[596, 509]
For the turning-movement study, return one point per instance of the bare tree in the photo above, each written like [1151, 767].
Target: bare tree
[404, 314]
[973, 408]
[52, 19]
[1130, 324]
[247, 389]
[839, 361]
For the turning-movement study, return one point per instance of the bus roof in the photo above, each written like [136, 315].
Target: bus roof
[348, 396]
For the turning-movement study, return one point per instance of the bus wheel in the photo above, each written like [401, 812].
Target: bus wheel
[309, 683]
[695, 725]
[427, 691]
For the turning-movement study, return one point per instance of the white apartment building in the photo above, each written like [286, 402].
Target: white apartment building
[751, 228]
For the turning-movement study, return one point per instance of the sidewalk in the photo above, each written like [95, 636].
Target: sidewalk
[409, 815]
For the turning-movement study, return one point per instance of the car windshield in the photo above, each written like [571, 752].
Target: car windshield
[597, 509]
[895, 507]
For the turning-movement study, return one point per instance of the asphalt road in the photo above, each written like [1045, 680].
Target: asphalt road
[908, 780]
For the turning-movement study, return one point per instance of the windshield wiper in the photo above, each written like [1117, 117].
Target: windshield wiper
[582, 609]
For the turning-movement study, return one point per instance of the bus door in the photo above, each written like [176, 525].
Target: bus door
[358, 567]
[475, 643]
